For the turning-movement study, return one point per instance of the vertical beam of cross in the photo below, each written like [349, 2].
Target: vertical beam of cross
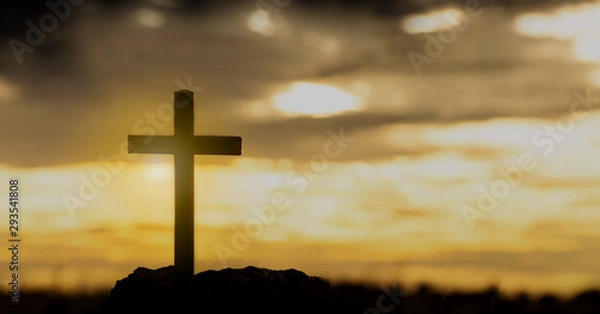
[184, 184]
[184, 145]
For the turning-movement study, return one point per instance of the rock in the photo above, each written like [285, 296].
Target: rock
[247, 290]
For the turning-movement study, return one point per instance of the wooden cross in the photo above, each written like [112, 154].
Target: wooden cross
[184, 145]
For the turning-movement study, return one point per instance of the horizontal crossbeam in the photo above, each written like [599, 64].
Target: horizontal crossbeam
[198, 145]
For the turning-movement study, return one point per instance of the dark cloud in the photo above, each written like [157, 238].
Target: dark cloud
[15, 13]
[105, 72]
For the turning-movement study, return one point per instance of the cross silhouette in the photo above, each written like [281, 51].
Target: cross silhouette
[184, 145]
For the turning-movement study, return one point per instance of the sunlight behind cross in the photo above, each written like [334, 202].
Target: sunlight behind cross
[158, 171]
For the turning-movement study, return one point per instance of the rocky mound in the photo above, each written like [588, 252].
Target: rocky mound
[247, 290]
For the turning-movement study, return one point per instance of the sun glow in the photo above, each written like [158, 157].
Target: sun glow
[150, 18]
[260, 22]
[315, 100]
[577, 23]
[159, 171]
[433, 21]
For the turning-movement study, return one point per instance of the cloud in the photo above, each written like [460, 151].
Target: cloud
[118, 72]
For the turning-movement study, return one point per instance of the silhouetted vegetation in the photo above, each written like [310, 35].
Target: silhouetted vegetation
[253, 289]
[52, 302]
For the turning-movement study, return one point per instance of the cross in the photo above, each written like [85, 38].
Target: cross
[184, 145]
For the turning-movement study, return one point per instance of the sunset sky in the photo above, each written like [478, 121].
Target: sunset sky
[454, 142]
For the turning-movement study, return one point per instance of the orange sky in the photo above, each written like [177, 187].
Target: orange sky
[391, 201]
